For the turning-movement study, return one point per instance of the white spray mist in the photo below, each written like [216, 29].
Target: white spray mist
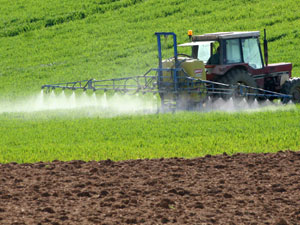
[100, 104]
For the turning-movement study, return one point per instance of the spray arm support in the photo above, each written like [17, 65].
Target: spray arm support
[160, 69]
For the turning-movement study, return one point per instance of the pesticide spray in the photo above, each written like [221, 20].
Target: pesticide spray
[105, 105]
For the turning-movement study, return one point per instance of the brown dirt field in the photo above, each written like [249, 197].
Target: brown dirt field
[237, 189]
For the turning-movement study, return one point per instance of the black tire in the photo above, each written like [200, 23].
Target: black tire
[238, 76]
[292, 87]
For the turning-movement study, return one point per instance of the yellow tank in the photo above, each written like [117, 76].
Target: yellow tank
[192, 68]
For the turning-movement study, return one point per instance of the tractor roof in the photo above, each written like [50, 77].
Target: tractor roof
[225, 35]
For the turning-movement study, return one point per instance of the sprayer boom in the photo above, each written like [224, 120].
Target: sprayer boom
[126, 85]
[163, 85]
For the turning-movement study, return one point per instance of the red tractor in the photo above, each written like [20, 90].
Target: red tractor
[236, 58]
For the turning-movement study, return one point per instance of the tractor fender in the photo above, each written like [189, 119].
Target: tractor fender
[224, 69]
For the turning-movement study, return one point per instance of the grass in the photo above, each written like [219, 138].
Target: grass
[58, 40]
[38, 137]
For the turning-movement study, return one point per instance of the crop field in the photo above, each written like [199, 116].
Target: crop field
[38, 137]
[102, 158]
[60, 41]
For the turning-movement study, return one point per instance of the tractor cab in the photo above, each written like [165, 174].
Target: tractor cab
[226, 48]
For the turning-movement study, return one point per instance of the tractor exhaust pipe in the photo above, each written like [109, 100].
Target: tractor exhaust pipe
[266, 47]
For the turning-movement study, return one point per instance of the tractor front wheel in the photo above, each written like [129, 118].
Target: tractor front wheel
[292, 87]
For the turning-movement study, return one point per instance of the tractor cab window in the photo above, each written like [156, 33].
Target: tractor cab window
[251, 53]
[202, 50]
[233, 51]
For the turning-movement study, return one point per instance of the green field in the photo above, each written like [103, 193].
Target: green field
[57, 41]
[31, 138]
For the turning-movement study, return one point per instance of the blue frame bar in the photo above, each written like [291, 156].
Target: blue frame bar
[175, 77]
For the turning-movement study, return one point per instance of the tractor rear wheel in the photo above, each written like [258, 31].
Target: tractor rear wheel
[292, 87]
[235, 77]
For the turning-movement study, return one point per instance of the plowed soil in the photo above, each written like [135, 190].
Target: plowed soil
[237, 189]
